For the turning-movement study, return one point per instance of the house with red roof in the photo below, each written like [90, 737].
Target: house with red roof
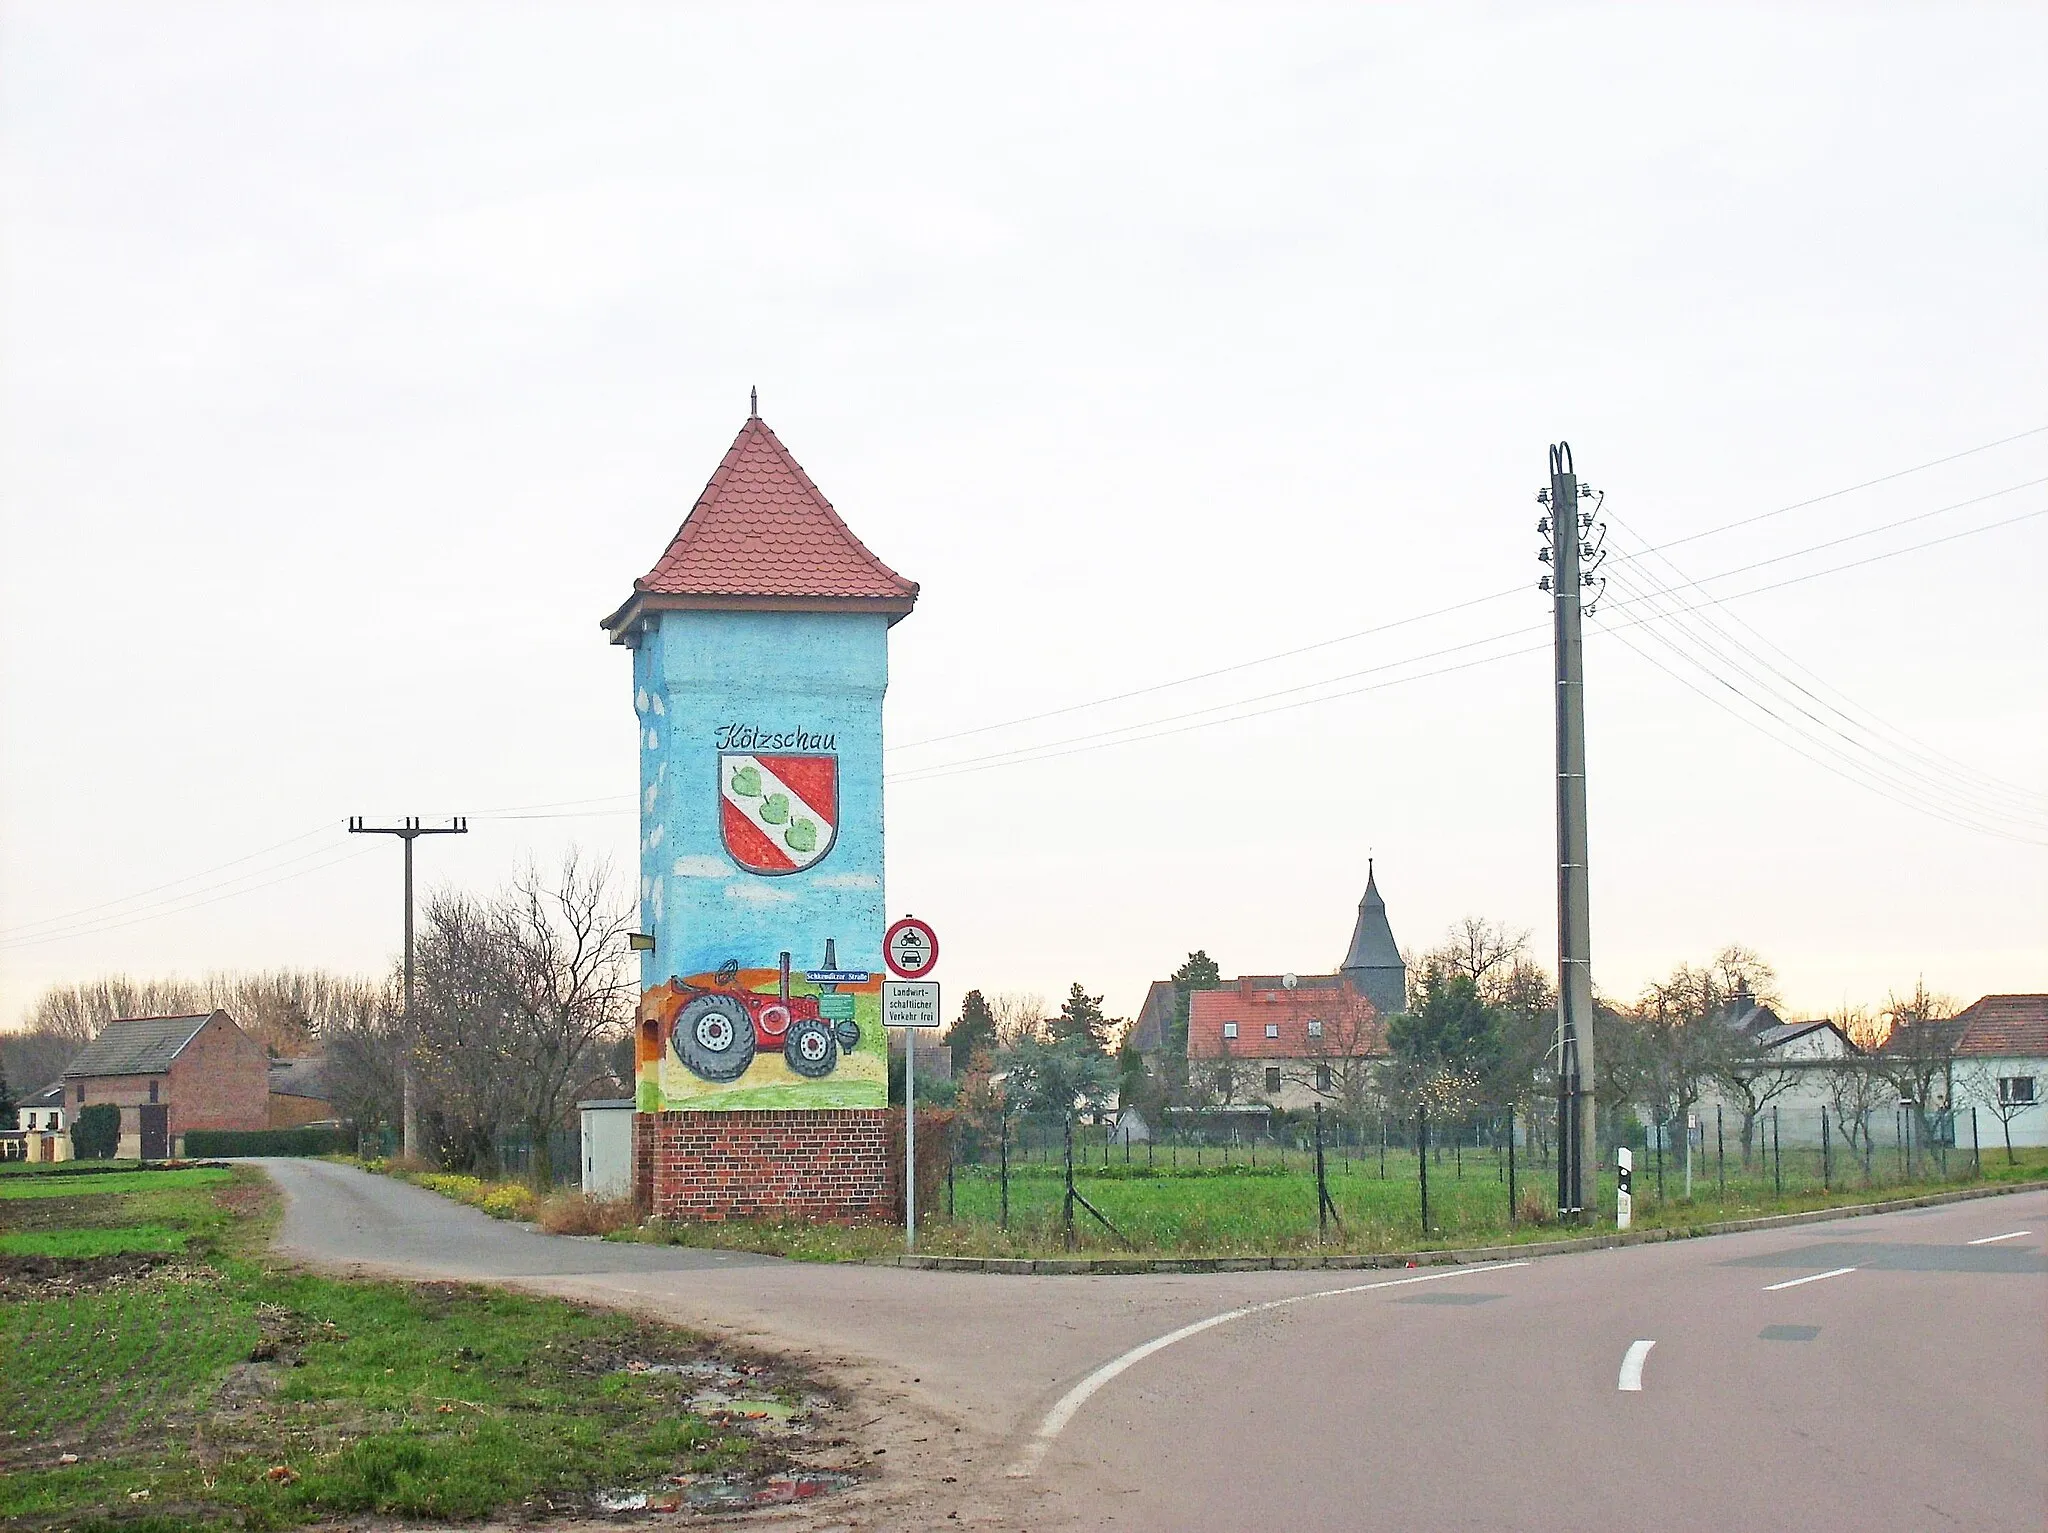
[1284, 1040]
[2001, 1068]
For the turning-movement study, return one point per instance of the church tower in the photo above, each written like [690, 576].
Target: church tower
[1373, 963]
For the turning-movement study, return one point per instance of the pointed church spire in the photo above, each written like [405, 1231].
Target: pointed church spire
[1373, 962]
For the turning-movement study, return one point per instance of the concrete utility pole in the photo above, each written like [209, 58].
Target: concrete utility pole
[1571, 559]
[408, 831]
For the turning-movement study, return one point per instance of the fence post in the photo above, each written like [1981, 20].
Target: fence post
[1322, 1186]
[1383, 1144]
[1976, 1149]
[1777, 1158]
[1067, 1221]
[1659, 1130]
[1511, 1168]
[1825, 1166]
[1720, 1152]
[1004, 1120]
[950, 1157]
[1422, 1158]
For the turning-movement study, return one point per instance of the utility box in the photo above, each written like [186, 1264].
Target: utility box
[607, 1148]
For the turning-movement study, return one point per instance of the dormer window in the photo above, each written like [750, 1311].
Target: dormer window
[1230, 1029]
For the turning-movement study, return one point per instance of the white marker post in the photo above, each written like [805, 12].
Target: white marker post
[911, 950]
[1624, 1203]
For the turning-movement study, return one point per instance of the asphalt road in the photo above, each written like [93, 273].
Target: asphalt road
[1869, 1374]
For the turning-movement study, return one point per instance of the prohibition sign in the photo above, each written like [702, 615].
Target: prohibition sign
[910, 948]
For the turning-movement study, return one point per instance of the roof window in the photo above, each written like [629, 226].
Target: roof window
[1230, 1029]
[1272, 1029]
[1315, 1027]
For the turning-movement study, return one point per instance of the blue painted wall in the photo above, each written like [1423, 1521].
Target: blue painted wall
[731, 687]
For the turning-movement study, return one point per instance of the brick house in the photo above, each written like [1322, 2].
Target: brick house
[1284, 1041]
[170, 1075]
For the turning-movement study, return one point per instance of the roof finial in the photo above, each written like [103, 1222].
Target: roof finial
[754, 403]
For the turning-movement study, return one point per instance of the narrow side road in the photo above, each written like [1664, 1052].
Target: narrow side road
[1906, 1392]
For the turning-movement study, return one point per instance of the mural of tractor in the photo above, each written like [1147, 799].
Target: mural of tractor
[724, 1036]
[722, 1026]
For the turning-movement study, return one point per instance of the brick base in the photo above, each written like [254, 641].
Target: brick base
[838, 1167]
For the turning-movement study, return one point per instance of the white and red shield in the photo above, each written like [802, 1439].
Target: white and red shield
[780, 814]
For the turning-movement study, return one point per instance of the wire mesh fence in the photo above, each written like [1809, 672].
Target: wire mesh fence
[1385, 1179]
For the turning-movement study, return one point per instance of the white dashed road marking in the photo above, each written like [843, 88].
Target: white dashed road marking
[1068, 1404]
[1814, 1277]
[1992, 1240]
[1632, 1366]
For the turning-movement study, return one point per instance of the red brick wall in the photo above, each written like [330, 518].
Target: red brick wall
[836, 1167]
[221, 1079]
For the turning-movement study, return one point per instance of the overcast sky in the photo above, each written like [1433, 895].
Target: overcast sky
[356, 359]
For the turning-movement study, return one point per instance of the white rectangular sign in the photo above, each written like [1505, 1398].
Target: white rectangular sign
[911, 1003]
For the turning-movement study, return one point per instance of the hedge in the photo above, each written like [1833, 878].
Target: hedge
[264, 1141]
[96, 1131]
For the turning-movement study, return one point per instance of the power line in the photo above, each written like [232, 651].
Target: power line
[1998, 796]
[1907, 778]
[1801, 505]
[94, 931]
[1287, 654]
[1849, 537]
[1916, 805]
[1225, 670]
[1075, 744]
[127, 899]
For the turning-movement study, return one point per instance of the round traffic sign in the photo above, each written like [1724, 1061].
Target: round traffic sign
[910, 948]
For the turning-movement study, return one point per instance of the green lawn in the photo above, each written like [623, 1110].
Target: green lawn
[196, 1385]
[1179, 1207]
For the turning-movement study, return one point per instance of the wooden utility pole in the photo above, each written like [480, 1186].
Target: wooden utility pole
[408, 830]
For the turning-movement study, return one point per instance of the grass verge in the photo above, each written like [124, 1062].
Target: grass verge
[162, 1373]
[1270, 1211]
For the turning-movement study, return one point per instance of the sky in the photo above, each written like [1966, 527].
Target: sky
[357, 358]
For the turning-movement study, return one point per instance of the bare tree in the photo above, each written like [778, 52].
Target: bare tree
[1019, 1015]
[570, 991]
[1919, 1052]
[1682, 1042]
[1753, 1077]
[1855, 1091]
[1484, 951]
[1342, 1063]
[1982, 1083]
[516, 1002]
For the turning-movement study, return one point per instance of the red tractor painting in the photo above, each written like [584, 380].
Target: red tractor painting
[721, 1027]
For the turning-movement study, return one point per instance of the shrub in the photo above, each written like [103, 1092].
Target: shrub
[96, 1131]
[575, 1213]
[265, 1141]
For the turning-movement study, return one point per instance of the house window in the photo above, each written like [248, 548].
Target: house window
[2015, 1090]
[1315, 1028]
[1223, 1079]
[1272, 1080]
[81, 1091]
[1322, 1078]
[1272, 1029]
[152, 1091]
[1230, 1029]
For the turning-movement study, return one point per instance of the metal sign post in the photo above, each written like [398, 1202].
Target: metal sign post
[911, 1002]
[1624, 1201]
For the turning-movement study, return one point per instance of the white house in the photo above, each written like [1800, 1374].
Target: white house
[43, 1113]
[1790, 1070]
[2001, 1069]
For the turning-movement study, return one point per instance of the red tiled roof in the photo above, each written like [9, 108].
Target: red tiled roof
[2005, 1026]
[763, 534]
[1350, 1024]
